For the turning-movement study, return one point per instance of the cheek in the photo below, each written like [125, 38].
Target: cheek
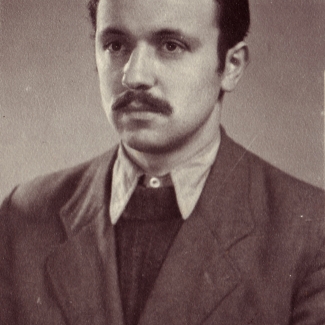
[110, 76]
[196, 87]
[110, 83]
[199, 73]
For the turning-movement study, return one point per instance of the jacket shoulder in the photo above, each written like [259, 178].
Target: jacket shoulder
[280, 188]
[55, 189]
[272, 192]
[264, 175]
[284, 204]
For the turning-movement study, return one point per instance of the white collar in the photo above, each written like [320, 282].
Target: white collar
[188, 179]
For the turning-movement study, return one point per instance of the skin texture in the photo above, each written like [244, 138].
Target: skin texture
[157, 63]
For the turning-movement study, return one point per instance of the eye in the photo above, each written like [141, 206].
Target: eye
[173, 47]
[115, 46]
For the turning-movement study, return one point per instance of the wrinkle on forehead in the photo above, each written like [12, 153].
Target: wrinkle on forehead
[139, 15]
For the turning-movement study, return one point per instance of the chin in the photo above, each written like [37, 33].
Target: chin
[150, 147]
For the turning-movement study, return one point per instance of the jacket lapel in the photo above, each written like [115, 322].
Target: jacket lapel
[83, 269]
[198, 274]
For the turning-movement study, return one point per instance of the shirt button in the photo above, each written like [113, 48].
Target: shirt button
[154, 182]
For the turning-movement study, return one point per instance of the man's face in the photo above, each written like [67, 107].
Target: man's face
[157, 63]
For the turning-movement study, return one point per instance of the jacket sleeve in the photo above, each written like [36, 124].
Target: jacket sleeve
[309, 302]
[7, 300]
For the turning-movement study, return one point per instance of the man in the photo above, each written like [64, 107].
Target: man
[178, 224]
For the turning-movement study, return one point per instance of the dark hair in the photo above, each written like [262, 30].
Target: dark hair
[233, 22]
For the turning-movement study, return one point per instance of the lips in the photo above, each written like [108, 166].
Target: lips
[139, 107]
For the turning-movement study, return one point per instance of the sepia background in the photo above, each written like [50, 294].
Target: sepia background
[51, 116]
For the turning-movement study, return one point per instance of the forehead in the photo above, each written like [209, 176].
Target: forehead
[142, 15]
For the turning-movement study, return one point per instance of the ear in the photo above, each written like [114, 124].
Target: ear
[236, 61]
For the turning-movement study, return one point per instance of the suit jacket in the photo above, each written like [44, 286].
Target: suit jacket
[252, 252]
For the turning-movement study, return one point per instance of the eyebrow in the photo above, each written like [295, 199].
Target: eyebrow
[169, 32]
[166, 32]
[111, 31]
[160, 34]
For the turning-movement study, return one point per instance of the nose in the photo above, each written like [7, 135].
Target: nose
[137, 72]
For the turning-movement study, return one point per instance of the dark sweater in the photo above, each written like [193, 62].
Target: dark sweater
[144, 234]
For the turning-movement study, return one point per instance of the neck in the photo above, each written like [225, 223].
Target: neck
[160, 164]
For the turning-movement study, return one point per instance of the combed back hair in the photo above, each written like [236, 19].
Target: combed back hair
[233, 22]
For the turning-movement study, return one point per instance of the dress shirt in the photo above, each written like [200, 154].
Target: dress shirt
[188, 179]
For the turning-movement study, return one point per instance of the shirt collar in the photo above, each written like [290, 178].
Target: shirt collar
[188, 180]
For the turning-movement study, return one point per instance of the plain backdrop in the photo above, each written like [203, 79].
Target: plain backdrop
[51, 115]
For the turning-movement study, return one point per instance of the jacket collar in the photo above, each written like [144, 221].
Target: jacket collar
[225, 201]
[83, 270]
[92, 194]
[197, 273]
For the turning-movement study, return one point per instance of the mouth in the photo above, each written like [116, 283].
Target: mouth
[137, 106]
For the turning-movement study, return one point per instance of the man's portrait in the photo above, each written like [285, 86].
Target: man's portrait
[162, 162]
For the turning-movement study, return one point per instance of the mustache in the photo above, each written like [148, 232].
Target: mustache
[152, 104]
